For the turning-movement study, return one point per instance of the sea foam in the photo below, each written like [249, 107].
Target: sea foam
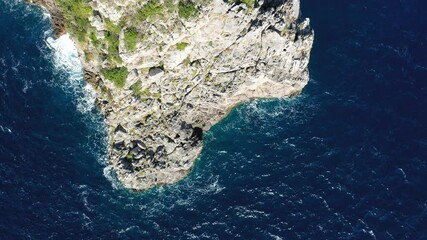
[65, 54]
[66, 59]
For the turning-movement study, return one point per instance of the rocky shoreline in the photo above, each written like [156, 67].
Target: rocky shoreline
[166, 71]
[57, 18]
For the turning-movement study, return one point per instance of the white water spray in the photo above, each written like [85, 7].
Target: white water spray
[66, 58]
[65, 54]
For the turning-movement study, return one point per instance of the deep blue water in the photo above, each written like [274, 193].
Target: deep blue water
[347, 159]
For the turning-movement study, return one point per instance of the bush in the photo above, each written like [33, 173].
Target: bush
[113, 47]
[131, 38]
[113, 28]
[76, 14]
[94, 39]
[181, 46]
[117, 75]
[249, 3]
[112, 39]
[187, 9]
[152, 8]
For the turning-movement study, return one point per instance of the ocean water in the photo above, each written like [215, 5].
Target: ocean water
[347, 159]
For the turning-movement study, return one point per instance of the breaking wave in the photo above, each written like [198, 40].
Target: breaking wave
[66, 59]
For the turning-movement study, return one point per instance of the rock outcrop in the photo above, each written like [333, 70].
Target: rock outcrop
[166, 71]
[55, 13]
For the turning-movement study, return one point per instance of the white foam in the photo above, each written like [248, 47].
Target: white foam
[66, 59]
[403, 173]
[87, 103]
[66, 56]
[5, 129]
[127, 229]
[109, 174]
[27, 85]
[211, 186]
[46, 14]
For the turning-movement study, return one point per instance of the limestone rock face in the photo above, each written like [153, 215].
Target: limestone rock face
[186, 74]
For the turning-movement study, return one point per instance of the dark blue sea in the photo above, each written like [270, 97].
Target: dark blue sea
[347, 159]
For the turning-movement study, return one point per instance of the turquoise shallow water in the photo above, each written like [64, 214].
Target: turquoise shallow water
[344, 160]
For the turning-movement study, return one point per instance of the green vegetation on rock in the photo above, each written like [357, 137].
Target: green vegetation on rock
[112, 38]
[187, 9]
[150, 9]
[76, 14]
[181, 46]
[249, 3]
[113, 48]
[131, 38]
[113, 28]
[137, 91]
[157, 95]
[187, 61]
[117, 75]
[94, 39]
[137, 88]
[146, 93]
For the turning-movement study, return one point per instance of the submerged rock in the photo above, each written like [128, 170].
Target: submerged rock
[190, 64]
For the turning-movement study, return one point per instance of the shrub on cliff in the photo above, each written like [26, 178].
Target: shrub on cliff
[187, 9]
[152, 8]
[117, 75]
[137, 88]
[131, 38]
[112, 39]
[113, 47]
[76, 13]
[249, 3]
[112, 27]
[181, 46]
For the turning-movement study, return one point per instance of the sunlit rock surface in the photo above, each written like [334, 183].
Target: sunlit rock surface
[185, 73]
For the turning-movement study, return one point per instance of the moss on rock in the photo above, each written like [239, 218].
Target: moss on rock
[118, 75]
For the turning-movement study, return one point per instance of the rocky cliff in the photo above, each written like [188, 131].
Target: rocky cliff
[165, 71]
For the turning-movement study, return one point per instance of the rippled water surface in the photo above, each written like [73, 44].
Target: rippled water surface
[344, 160]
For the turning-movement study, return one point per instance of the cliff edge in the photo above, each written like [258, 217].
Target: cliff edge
[165, 71]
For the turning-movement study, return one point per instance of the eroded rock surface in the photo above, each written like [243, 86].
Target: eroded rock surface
[58, 20]
[186, 73]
